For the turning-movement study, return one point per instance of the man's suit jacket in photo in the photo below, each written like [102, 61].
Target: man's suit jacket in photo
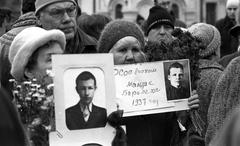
[75, 119]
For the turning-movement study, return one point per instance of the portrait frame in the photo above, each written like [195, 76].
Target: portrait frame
[178, 65]
[65, 73]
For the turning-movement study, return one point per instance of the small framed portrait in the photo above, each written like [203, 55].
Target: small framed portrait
[84, 90]
[177, 79]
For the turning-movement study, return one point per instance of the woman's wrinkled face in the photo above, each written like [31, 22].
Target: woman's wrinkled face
[128, 50]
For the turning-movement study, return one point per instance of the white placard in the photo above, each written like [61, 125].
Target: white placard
[142, 88]
[69, 115]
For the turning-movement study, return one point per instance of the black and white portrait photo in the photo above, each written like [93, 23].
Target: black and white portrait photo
[85, 105]
[177, 79]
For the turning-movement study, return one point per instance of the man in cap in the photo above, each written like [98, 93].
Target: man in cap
[159, 25]
[62, 14]
[228, 43]
[168, 5]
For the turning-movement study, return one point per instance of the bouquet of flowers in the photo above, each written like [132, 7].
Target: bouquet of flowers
[36, 109]
[183, 46]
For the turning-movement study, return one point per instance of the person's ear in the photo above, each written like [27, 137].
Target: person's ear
[29, 74]
[169, 77]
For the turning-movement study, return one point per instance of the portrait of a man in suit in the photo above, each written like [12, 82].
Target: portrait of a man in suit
[85, 114]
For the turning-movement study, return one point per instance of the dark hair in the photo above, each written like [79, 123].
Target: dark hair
[175, 65]
[93, 24]
[86, 75]
[79, 11]
[28, 6]
[32, 62]
[11, 129]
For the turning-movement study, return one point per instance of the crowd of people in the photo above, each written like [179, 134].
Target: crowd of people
[59, 27]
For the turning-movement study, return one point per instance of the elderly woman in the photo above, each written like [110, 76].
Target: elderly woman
[126, 41]
[30, 56]
[30, 53]
[210, 70]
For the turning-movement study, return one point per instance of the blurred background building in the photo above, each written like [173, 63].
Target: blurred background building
[189, 11]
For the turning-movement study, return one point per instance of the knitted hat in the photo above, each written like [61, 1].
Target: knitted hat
[235, 31]
[159, 15]
[39, 4]
[209, 35]
[116, 30]
[26, 20]
[232, 3]
[28, 41]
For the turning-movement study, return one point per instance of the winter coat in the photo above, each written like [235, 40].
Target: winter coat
[229, 44]
[228, 58]
[81, 43]
[11, 128]
[210, 71]
[152, 130]
[225, 98]
[209, 75]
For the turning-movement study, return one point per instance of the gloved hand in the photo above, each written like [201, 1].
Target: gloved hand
[114, 119]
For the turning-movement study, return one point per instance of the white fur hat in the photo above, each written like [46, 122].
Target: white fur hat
[232, 3]
[26, 43]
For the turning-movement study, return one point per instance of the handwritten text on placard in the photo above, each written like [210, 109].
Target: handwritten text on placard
[140, 86]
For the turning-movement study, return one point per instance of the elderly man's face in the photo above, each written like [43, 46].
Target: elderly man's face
[161, 33]
[231, 12]
[61, 15]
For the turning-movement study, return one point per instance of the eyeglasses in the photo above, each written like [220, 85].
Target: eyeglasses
[59, 13]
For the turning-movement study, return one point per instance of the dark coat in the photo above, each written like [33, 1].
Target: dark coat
[152, 130]
[177, 93]
[11, 128]
[228, 58]
[81, 43]
[229, 44]
[75, 120]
